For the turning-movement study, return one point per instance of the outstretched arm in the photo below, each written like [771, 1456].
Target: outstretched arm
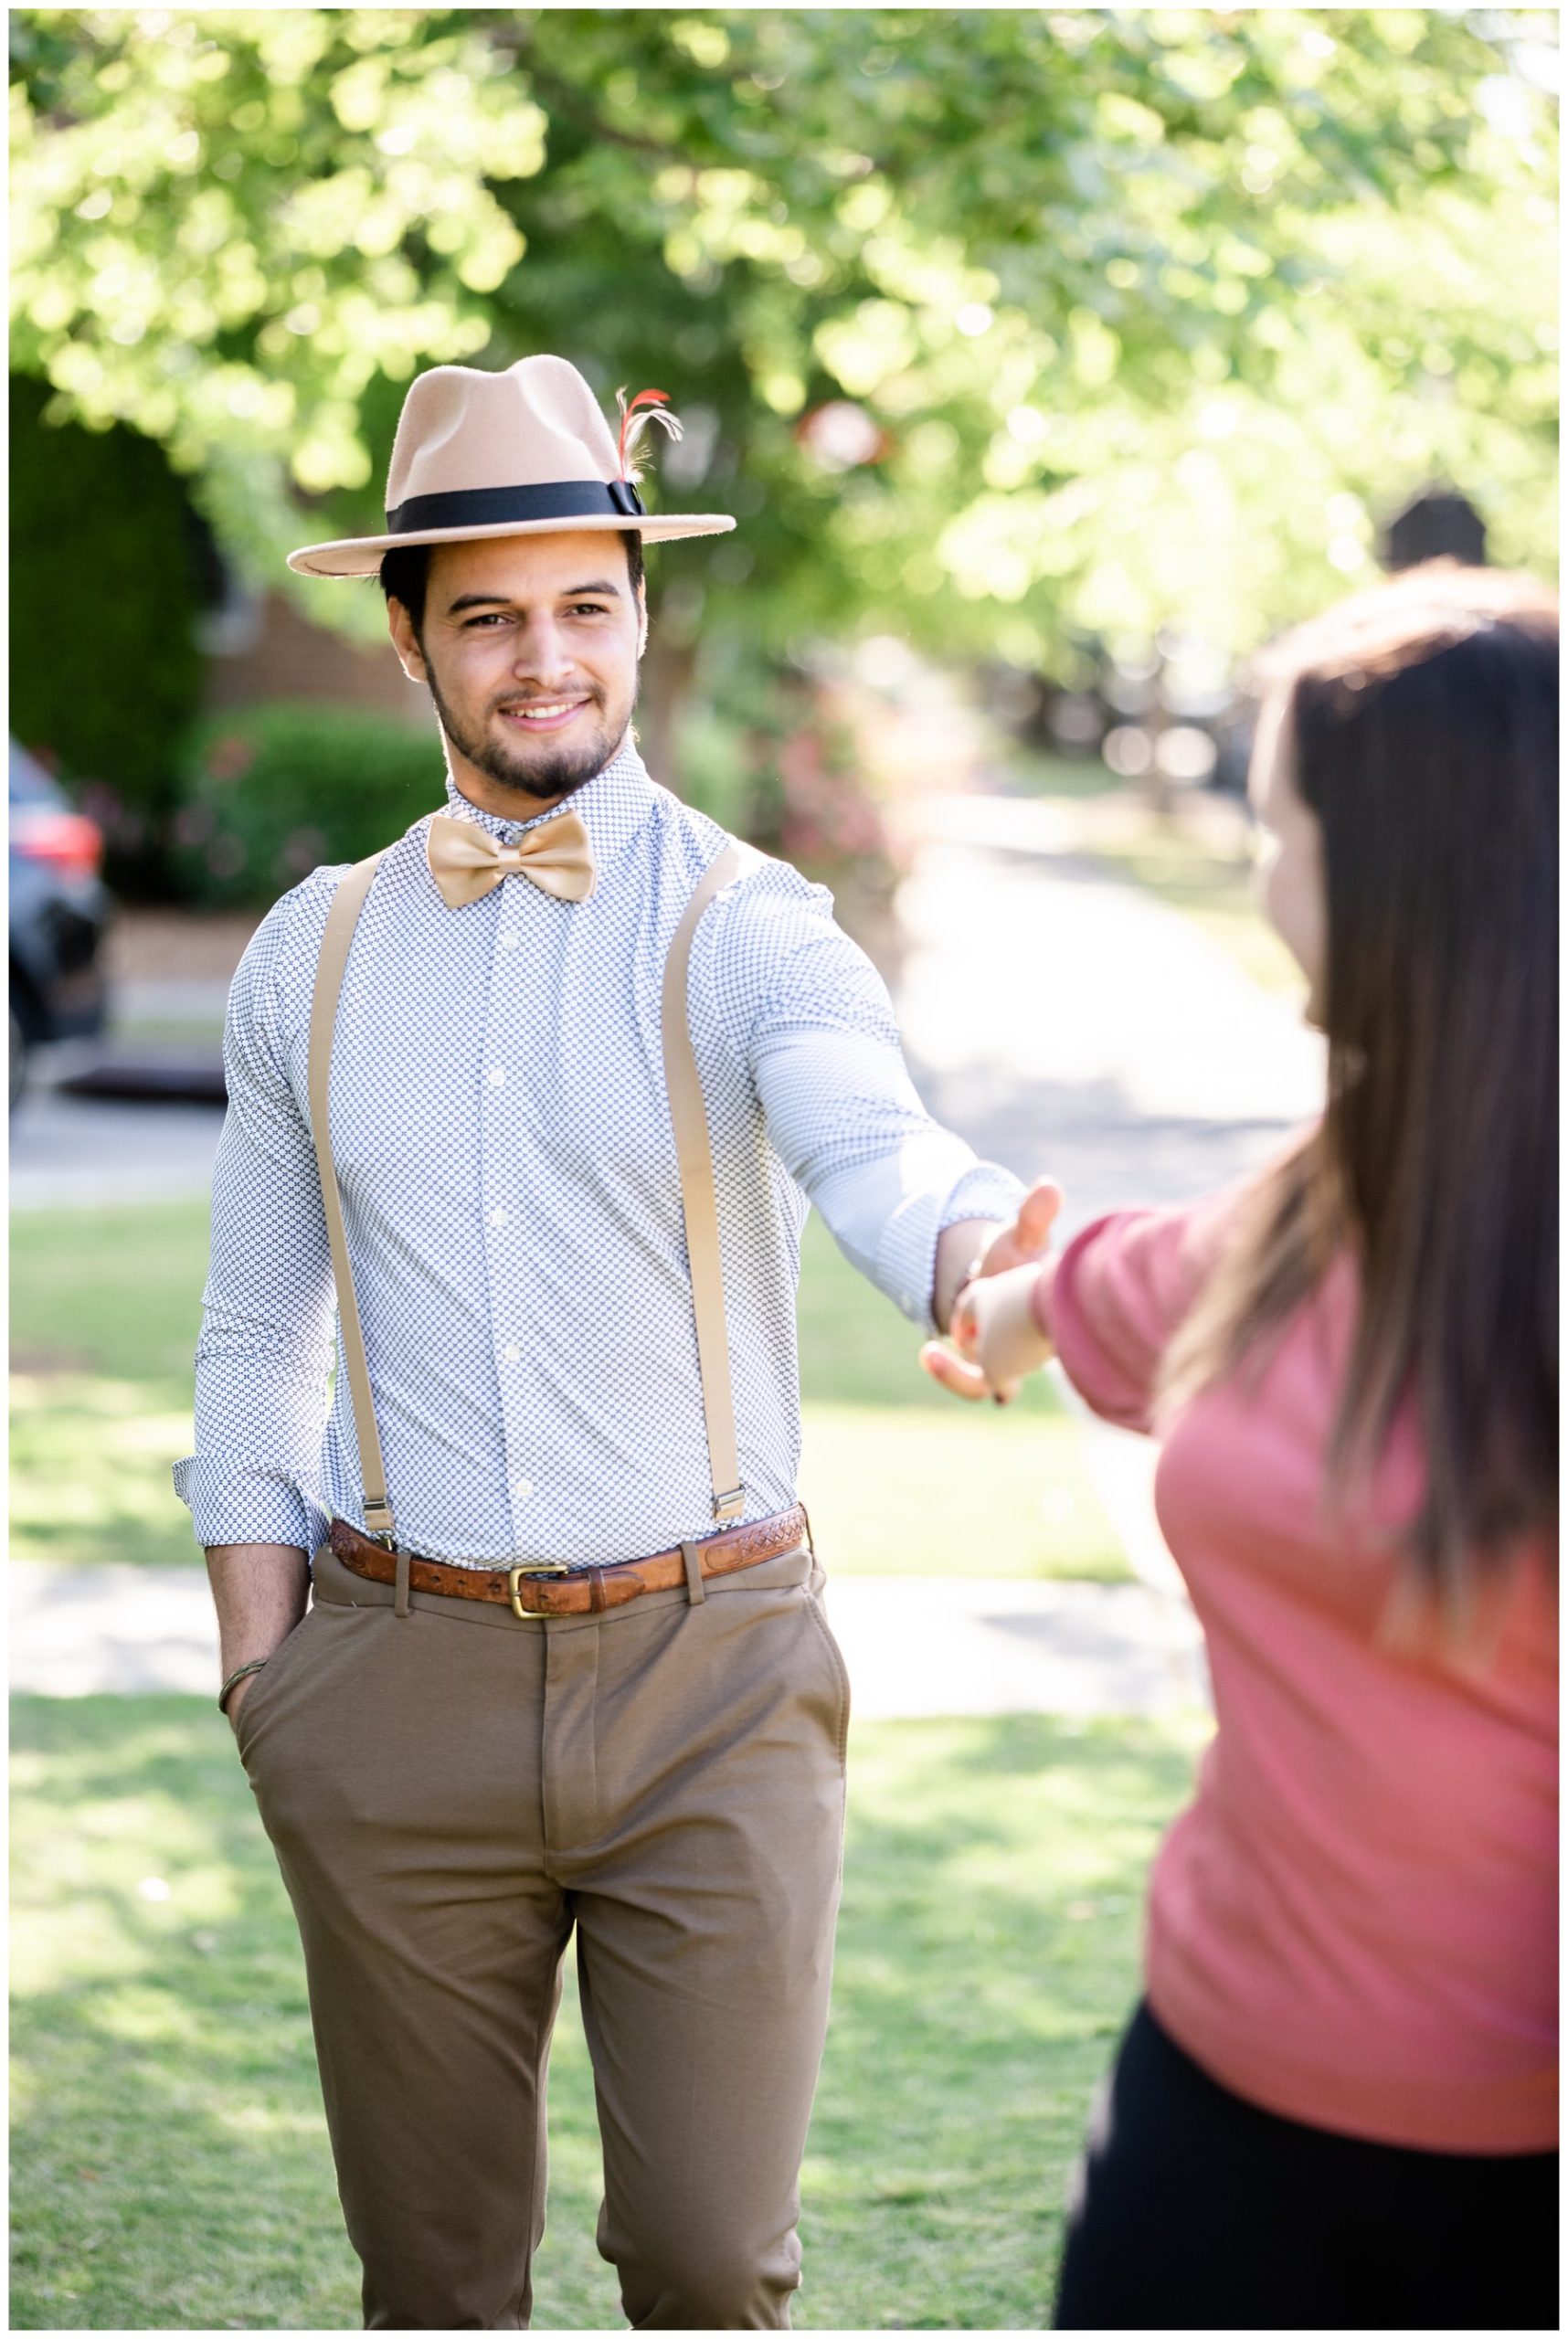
[908, 1201]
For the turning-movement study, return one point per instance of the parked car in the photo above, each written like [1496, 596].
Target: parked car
[59, 916]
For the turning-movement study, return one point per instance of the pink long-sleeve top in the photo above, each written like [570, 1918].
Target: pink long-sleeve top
[1354, 1921]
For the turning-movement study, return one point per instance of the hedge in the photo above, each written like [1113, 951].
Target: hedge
[105, 592]
[270, 792]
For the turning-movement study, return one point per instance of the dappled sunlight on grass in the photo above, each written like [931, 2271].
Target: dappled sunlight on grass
[164, 2036]
[972, 1493]
[111, 1291]
[172, 2169]
[90, 1469]
[105, 1308]
[986, 1958]
[902, 1480]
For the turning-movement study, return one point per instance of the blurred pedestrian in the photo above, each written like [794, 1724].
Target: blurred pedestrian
[1438, 525]
[1336, 2106]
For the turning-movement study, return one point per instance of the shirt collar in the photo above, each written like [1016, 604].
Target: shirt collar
[611, 806]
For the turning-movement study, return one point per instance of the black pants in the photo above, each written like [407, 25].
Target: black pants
[1194, 2210]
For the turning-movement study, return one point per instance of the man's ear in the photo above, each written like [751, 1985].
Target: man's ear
[642, 618]
[406, 642]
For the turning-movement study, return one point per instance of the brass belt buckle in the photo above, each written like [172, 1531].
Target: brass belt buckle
[528, 1568]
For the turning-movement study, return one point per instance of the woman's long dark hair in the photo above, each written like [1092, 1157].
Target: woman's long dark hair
[1420, 723]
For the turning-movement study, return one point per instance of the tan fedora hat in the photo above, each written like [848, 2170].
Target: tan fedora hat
[511, 454]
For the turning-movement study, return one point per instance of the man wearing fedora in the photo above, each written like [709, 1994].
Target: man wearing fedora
[539, 1097]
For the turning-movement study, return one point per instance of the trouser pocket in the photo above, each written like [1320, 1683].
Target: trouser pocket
[265, 1685]
[829, 1639]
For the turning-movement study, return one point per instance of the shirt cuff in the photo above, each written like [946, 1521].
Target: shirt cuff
[907, 1254]
[229, 1504]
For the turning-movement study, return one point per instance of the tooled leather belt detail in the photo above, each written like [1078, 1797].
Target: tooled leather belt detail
[586, 1590]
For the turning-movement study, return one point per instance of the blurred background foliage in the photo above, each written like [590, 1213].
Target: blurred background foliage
[996, 329]
[100, 523]
[253, 785]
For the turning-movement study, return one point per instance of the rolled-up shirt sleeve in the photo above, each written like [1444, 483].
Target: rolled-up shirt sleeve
[263, 1360]
[814, 1022]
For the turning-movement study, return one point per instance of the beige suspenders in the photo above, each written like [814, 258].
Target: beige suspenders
[342, 920]
[694, 1152]
[699, 1200]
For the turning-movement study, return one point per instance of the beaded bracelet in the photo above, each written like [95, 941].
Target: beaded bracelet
[238, 1675]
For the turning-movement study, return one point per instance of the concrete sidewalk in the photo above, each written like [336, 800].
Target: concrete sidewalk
[1068, 1022]
[84, 1152]
[915, 1646]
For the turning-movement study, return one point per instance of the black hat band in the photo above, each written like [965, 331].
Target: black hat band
[480, 507]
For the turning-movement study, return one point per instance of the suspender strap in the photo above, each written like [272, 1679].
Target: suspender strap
[694, 1151]
[342, 920]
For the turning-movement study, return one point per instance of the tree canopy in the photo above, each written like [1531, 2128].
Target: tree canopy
[987, 324]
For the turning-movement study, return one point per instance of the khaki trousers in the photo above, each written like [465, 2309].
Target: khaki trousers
[450, 1792]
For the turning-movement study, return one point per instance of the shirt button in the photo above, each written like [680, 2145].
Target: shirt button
[497, 1218]
[509, 941]
[523, 1490]
[496, 1075]
[511, 1352]
[511, 836]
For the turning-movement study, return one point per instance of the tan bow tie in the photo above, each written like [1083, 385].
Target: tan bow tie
[467, 863]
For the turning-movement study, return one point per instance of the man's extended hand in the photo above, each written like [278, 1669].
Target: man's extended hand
[1029, 1237]
[1001, 1335]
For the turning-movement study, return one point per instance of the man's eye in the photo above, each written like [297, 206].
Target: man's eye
[492, 617]
[588, 609]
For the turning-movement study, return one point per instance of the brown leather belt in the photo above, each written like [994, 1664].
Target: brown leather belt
[582, 1591]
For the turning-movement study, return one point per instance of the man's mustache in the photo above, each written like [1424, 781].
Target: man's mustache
[547, 698]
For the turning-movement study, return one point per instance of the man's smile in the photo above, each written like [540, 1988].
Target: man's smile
[546, 714]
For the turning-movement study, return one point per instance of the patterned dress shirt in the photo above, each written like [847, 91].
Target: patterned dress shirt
[510, 1191]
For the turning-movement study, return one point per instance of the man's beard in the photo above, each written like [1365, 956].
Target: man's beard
[559, 773]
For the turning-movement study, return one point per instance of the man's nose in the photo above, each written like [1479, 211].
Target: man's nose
[542, 653]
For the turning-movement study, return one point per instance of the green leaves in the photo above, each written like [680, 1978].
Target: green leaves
[1234, 263]
[228, 227]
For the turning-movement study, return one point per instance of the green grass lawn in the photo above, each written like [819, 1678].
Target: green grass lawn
[899, 1477]
[105, 1305]
[171, 2165]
